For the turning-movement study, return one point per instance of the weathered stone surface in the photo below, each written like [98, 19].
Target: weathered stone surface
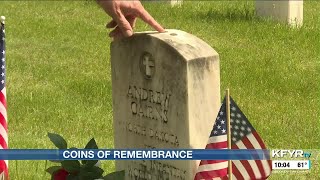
[166, 94]
[289, 11]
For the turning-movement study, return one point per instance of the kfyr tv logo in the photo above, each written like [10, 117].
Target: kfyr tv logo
[290, 153]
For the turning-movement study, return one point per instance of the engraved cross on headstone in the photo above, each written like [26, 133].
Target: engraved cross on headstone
[149, 64]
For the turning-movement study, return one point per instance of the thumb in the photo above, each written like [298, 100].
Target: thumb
[124, 25]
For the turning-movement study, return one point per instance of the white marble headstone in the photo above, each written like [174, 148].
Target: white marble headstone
[289, 11]
[166, 94]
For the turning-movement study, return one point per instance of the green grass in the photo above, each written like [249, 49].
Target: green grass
[58, 72]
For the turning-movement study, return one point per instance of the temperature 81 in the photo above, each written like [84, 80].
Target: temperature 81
[301, 164]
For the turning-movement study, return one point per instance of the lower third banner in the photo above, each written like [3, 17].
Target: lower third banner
[133, 154]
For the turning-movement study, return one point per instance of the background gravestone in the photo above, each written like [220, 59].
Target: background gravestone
[289, 11]
[166, 94]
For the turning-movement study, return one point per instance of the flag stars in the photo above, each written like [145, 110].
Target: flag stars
[3, 60]
[2, 82]
[3, 52]
[241, 134]
[240, 127]
[2, 74]
[2, 67]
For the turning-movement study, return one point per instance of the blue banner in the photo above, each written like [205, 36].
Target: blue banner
[133, 154]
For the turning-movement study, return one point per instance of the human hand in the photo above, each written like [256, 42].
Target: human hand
[124, 14]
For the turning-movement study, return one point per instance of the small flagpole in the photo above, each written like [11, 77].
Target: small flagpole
[228, 131]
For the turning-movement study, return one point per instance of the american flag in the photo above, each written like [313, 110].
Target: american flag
[214, 169]
[243, 136]
[3, 104]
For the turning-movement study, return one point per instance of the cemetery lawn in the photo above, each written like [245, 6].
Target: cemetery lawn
[59, 75]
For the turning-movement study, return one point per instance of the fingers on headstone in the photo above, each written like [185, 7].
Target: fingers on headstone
[124, 25]
[146, 17]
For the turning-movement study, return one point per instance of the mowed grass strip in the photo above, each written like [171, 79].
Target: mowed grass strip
[59, 78]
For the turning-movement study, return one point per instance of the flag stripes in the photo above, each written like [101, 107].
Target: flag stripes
[211, 161]
[220, 145]
[3, 97]
[251, 169]
[3, 103]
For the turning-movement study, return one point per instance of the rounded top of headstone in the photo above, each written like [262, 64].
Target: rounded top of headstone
[187, 45]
